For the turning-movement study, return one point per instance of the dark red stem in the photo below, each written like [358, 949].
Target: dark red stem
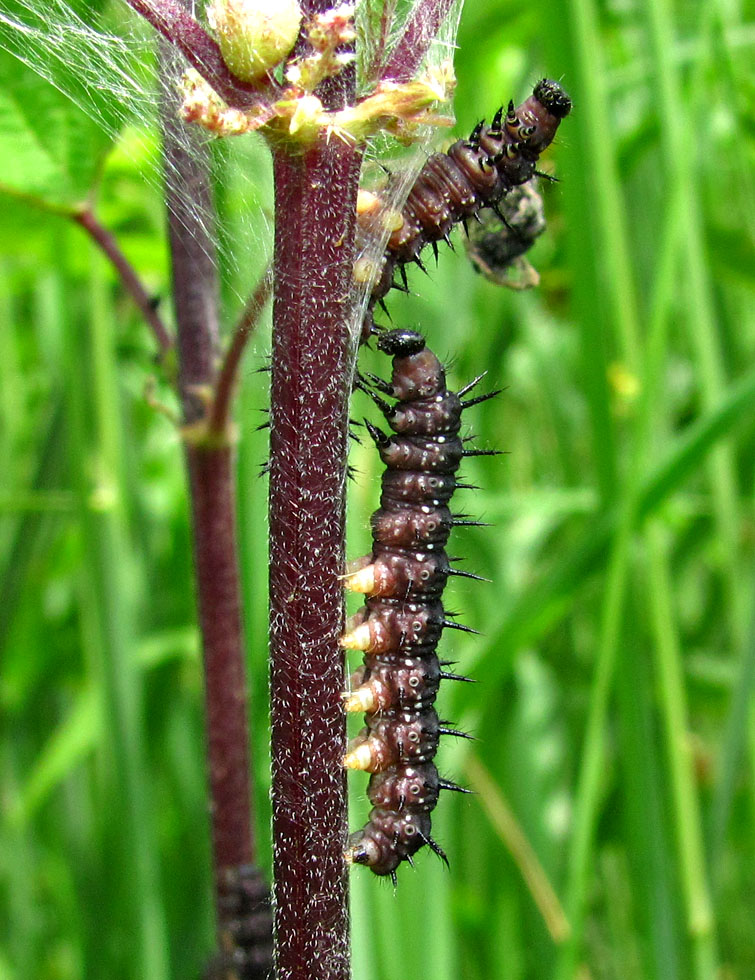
[192, 249]
[420, 32]
[211, 478]
[312, 365]
[128, 276]
[210, 463]
[188, 196]
[177, 26]
[312, 359]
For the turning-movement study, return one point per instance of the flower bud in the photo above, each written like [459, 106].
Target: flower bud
[254, 35]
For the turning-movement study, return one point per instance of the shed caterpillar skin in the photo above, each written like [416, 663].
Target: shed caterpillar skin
[403, 618]
[452, 187]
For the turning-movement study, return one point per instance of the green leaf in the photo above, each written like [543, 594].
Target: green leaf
[50, 151]
[66, 90]
[72, 741]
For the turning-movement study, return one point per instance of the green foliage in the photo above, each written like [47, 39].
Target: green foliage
[49, 149]
[615, 767]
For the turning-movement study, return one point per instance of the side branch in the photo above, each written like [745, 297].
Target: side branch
[177, 26]
[238, 889]
[247, 324]
[420, 32]
[128, 275]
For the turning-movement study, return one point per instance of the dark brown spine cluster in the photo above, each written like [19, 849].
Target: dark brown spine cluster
[399, 627]
[474, 173]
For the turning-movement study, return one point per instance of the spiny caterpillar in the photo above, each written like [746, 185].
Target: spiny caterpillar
[400, 625]
[474, 173]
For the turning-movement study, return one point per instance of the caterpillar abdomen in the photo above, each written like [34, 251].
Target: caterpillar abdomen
[403, 618]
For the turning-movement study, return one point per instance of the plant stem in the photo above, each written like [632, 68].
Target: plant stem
[211, 479]
[192, 249]
[673, 707]
[511, 833]
[312, 369]
[311, 381]
[173, 20]
[227, 375]
[210, 464]
[419, 34]
[131, 282]
[315, 217]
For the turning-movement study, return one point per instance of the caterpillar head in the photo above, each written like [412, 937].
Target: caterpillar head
[401, 343]
[543, 111]
[552, 97]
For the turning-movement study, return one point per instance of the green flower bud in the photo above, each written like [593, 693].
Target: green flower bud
[254, 35]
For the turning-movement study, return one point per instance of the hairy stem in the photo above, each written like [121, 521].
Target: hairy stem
[211, 480]
[420, 32]
[192, 250]
[128, 276]
[315, 217]
[312, 367]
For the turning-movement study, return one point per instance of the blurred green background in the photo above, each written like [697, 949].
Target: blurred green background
[612, 834]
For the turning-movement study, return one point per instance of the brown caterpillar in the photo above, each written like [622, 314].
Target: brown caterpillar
[403, 618]
[474, 173]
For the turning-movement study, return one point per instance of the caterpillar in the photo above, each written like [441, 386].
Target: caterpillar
[451, 187]
[401, 623]
[403, 579]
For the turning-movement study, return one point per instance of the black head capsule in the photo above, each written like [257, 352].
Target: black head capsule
[401, 343]
[552, 97]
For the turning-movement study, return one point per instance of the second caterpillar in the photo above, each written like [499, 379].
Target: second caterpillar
[403, 618]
